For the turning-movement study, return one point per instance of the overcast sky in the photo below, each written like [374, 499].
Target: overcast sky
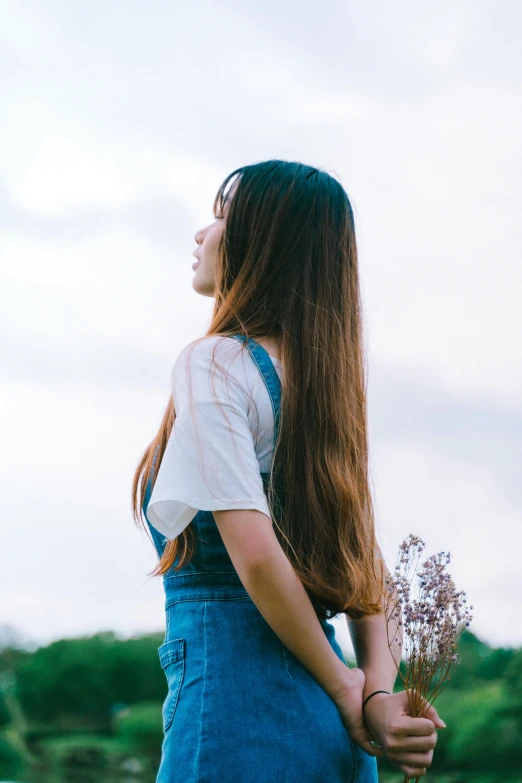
[118, 122]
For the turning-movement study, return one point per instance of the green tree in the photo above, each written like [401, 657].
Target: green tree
[78, 681]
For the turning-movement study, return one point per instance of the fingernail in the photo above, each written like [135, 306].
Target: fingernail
[443, 724]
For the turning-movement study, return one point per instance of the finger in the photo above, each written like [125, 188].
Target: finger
[432, 714]
[417, 727]
[371, 750]
[362, 737]
[412, 759]
[359, 734]
[409, 744]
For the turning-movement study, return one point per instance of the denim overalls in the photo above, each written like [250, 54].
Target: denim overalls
[240, 707]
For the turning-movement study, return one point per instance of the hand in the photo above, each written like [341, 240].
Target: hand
[349, 702]
[408, 742]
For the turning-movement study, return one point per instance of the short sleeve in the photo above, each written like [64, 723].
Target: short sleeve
[210, 461]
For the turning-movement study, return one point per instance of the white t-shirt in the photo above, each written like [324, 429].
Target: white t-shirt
[207, 466]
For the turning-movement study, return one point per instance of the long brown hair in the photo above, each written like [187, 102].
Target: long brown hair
[287, 269]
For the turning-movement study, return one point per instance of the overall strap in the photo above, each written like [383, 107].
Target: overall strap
[269, 374]
[157, 539]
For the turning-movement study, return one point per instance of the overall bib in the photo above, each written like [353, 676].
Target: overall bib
[240, 707]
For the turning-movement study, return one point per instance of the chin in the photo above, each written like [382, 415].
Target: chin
[203, 287]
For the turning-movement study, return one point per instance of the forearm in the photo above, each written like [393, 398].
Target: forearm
[369, 638]
[370, 642]
[281, 598]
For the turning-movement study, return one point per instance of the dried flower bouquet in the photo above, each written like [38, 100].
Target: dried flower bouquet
[425, 617]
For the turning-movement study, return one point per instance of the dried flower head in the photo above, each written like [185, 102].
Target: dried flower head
[425, 616]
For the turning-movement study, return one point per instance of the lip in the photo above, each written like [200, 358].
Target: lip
[194, 265]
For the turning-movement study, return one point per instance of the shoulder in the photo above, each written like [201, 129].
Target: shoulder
[211, 362]
[211, 351]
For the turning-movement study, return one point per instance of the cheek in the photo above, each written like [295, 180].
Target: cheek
[215, 239]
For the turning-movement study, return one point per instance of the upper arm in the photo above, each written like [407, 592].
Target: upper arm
[247, 534]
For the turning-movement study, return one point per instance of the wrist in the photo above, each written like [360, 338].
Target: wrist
[348, 679]
[374, 713]
[377, 681]
[374, 695]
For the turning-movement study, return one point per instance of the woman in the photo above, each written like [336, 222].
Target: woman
[256, 493]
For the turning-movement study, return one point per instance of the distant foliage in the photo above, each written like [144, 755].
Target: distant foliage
[140, 727]
[78, 681]
[97, 700]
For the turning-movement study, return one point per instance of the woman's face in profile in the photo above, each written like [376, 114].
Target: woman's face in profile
[208, 240]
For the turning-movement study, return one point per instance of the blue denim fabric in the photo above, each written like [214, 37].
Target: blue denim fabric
[240, 707]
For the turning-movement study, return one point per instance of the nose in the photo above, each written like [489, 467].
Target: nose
[199, 235]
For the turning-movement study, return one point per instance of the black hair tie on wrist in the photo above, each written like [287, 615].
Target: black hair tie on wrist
[373, 694]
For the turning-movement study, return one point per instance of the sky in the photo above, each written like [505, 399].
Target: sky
[118, 122]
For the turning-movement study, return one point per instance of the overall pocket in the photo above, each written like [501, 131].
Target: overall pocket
[172, 660]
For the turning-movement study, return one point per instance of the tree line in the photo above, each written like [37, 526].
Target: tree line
[95, 703]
